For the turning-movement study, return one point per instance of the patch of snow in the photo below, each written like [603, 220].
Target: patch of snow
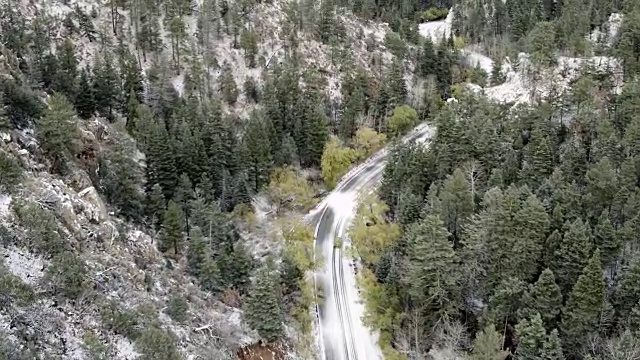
[125, 350]
[436, 30]
[5, 201]
[519, 87]
[477, 59]
[608, 32]
[261, 207]
[26, 266]
[178, 84]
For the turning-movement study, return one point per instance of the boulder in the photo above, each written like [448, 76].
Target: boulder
[98, 213]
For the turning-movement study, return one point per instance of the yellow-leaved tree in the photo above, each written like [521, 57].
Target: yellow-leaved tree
[288, 189]
[404, 118]
[366, 142]
[370, 233]
[298, 249]
[298, 238]
[336, 159]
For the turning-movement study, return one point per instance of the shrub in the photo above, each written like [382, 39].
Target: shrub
[477, 75]
[12, 288]
[177, 308]
[157, 344]
[96, 349]
[251, 90]
[121, 321]
[10, 172]
[395, 44]
[41, 227]
[432, 14]
[68, 276]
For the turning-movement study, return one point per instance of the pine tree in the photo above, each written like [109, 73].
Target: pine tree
[497, 78]
[581, 313]
[432, 264]
[572, 254]
[161, 166]
[396, 86]
[532, 224]
[257, 150]
[326, 27]
[427, 59]
[58, 132]
[210, 277]
[552, 348]
[132, 79]
[456, 203]
[156, 205]
[183, 196]
[65, 78]
[531, 338]
[85, 100]
[106, 84]
[488, 345]
[228, 86]
[196, 252]
[120, 178]
[606, 239]
[263, 310]
[239, 268]
[171, 237]
[627, 291]
[544, 297]
[314, 128]
[506, 301]
[249, 42]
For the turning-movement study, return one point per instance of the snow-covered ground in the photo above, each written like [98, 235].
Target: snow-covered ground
[519, 87]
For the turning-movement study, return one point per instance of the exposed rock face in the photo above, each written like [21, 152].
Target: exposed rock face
[98, 213]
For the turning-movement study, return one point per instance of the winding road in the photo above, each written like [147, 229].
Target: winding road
[343, 335]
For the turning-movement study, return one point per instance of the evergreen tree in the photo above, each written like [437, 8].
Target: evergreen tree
[531, 338]
[456, 203]
[58, 132]
[257, 149]
[606, 239]
[210, 277]
[85, 100]
[228, 86]
[156, 205]
[196, 252]
[427, 58]
[106, 84]
[183, 196]
[161, 166]
[431, 274]
[66, 76]
[488, 345]
[627, 292]
[171, 237]
[263, 310]
[552, 348]
[582, 311]
[571, 255]
[545, 298]
[532, 224]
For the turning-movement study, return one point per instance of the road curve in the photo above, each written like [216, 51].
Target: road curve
[343, 336]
